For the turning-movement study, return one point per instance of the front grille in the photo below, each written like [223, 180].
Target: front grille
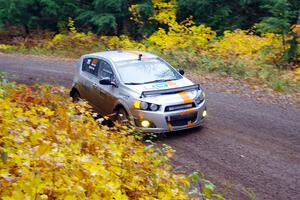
[179, 107]
[182, 120]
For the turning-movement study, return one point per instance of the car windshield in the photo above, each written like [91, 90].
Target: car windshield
[146, 71]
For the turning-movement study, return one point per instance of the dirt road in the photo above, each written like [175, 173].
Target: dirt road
[243, 144]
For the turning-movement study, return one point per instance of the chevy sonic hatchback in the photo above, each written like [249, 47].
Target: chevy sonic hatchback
[142, 86]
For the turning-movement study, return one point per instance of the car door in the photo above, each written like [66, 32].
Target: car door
[105, 98]
[88, 78]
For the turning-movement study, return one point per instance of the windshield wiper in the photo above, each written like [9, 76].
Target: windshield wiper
[134, 83]
[171, 79]
[154, 81]
[160, 80]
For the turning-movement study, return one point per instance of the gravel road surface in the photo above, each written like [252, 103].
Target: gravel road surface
[244, 145]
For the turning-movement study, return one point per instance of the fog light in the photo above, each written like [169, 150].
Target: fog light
[145, 123]
[204, 114]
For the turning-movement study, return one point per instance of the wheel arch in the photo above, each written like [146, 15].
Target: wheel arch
[73, 91]
[124, 105]
[118, 106]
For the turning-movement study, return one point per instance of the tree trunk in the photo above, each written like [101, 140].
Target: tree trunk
[283, 41]
[27, 31]
[125, 27]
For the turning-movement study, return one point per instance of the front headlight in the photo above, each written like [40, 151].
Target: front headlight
[153, 107]
[200, 98]
[145, 106]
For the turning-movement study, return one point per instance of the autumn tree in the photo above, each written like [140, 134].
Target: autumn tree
[279, 21]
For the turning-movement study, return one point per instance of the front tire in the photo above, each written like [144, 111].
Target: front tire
[122, 116]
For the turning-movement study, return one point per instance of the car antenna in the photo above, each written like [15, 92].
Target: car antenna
[140, 56]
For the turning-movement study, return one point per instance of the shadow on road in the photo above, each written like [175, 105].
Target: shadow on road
[160, 137]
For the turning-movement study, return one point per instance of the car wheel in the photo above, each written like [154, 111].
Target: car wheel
[122, 116]
[74, 94]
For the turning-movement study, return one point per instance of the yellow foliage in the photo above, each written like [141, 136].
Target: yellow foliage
[5, 46]
[247, 47]
[179, 35]
[53, 149]
[297, 73]
[165, 12]
[136, 18]
[196, 37]
[122, 42]
[71, 25]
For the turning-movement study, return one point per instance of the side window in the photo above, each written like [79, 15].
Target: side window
[91, 65]
[105, 70]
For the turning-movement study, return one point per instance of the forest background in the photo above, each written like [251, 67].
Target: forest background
[251, 40]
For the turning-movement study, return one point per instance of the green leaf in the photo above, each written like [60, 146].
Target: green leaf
[195, 176]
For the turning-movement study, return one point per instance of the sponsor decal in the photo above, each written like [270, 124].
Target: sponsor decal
[124, 96]
[159, 86]
[186, 97]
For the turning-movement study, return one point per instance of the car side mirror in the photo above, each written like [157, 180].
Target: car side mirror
[107, 81]
[181, 71]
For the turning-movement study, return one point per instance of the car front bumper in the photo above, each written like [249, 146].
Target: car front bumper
[171, 121]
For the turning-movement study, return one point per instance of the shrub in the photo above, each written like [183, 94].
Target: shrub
[53, 149]
[248, 47]
[177, 35]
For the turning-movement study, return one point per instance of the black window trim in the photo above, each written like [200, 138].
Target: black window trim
[111, 72]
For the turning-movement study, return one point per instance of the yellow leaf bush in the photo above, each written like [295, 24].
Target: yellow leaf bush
[52, 148]
[5, 46]
[179, 35]
[241, 44]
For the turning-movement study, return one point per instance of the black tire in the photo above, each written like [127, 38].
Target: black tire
[122, 116]
[74, 94]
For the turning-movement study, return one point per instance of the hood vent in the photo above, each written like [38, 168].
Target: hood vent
[170, 91]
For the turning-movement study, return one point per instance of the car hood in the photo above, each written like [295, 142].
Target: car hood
[166, 98]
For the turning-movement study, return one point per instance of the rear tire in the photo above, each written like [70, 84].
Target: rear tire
[74, 94]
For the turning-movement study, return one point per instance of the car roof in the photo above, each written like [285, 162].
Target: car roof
[117, 56]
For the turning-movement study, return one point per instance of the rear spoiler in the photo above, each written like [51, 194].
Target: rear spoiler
[172, 90]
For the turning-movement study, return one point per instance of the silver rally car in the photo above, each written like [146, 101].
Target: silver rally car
[142, 86]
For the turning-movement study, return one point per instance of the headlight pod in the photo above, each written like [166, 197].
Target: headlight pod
[153, 107]
[200, 98]
[145, 106]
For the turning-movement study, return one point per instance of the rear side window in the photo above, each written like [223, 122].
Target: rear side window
[91, 65]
